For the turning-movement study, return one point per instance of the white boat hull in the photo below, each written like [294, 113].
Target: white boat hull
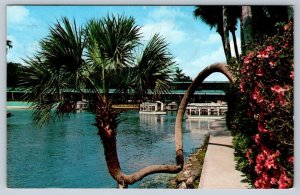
[205, 117]
[153, 113]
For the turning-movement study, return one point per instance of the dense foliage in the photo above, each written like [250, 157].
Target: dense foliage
[262, 114]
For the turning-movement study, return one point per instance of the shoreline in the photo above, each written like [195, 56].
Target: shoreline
[190, 175]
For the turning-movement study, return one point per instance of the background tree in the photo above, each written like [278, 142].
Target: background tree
[13, 74]
[216, 17]
[246, 28]
[8, 44]
[226, 33]
[233, 14]
[180, 76]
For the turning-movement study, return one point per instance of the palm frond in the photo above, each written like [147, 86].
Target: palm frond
[57, 67]
[155, 67]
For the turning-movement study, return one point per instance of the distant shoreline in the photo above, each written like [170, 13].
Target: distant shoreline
[21, 105]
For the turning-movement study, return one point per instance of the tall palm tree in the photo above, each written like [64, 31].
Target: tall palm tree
[110, 43]
[226, 33]
[213, 16]
[233, 14]
[246, 27]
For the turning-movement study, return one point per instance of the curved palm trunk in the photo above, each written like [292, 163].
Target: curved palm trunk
[107, 123]
[219, 67]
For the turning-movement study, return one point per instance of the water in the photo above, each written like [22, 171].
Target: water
[68, 153]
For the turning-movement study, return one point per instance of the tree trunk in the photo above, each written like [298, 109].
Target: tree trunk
[246, 28]
[221, 33]
[186, 98]
[107, 123]
[235, 45]
[226, 35]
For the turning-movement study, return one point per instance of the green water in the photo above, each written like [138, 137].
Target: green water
[68, 153]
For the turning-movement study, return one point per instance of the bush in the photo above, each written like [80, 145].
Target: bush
[262, 119]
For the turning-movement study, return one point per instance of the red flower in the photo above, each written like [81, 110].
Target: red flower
[272, 63]
[292, 75]
[272, 105]
[286, 27]
[259, 72]
[263, 54]
[258, 168]
[273, 180]
[284, 181]
[280, 90]
[270, 162]
[277, 89]
[255, 93]
[242, 87]
[261, 128]
[257, 139]
[290, 159]
[282, 100]
[270, 48]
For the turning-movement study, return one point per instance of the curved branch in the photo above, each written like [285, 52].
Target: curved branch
[217, 67]
[106, 123]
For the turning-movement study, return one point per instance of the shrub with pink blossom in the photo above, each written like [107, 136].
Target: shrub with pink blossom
[262, 116]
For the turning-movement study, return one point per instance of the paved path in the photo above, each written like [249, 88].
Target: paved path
[219, 166]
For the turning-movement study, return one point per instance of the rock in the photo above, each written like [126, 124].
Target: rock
[187, 173]
[189, 181]
[180, 179]
[172, 183]
[182, 186]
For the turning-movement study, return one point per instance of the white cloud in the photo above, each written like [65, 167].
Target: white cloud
[213, 57]
[194, 67]
[165, 12]
[163, 21]
[19, 18]
[32, 48]
[17, 14]
[213, 38]
[167, 29]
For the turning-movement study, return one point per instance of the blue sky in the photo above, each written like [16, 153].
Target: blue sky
[192, 43]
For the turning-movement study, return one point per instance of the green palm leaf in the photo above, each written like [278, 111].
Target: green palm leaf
[155, 67]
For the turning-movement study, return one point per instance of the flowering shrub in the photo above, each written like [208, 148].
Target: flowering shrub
[263, 121]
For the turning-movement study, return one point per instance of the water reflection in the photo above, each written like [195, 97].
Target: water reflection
[195, 125]
[66, 151]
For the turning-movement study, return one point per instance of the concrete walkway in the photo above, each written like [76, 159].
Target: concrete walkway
[219, 166]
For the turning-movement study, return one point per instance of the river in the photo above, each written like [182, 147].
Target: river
[68, 153]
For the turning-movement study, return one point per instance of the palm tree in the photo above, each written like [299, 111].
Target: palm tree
[110, 43]
[8, 44]
[233, 14]
[154, 68]
[213, 16]
[56, 67]
[246, 28]
[226, 33]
